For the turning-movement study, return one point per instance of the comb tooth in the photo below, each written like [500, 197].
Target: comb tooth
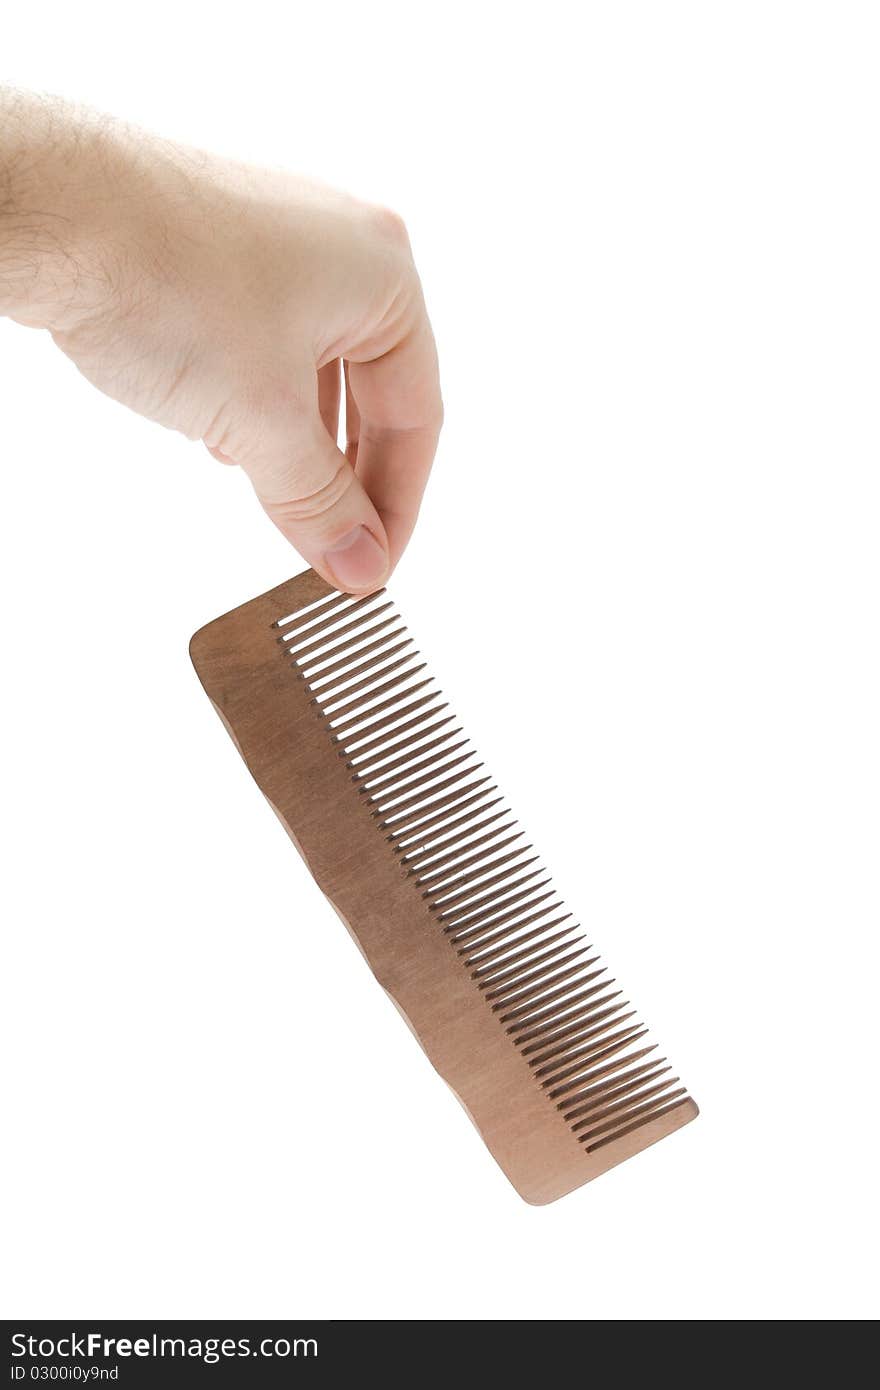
[498, 943]
[413, 748]
[533, 1002]
[560, 1081]
[443, 897]
[444, 900]
[535, 966]
[421, 830]
[561, 1023]
[561, 1041]
[451, 863]
[316, 672]
[537, 993]
[571, 1079]
[621, 1056]
[632, 1093]
[295, 621]
[348, 653]
[315, 621]
[390, 800]
[493, 964]
[451, 838]
[390, 721]
[358, 719]
[374, 753]
[362, 701]
[407, 778]
[421, 866]
[621, 1084]
[340, 689]
[599, 1074]
[443, 803]
[470, 918]
[424, 842]
[404, 766]
[550, 1005]
[329, 680]
[574, 1049]
[542, 1029]
[630, 1129]
[490, 922]
[388, 811]
[474, 904]
[300, 653]
[311, 630]
[648, 1112]
[624, 1084]
[306, 661]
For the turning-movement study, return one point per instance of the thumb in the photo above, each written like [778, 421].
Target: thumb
[310, 491]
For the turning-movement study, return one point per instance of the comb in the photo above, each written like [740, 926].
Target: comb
[361, 757]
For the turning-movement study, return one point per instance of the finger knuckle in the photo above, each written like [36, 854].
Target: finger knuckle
[303, 497]
[390, 226]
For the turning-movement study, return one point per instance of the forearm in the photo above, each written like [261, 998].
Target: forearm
[74, 206]
[44, 165]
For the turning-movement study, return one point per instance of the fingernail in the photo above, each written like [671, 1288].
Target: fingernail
[358, 561]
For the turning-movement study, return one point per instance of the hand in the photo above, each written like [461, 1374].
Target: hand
[220, 301]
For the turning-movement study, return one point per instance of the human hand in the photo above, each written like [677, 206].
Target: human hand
[220, 300]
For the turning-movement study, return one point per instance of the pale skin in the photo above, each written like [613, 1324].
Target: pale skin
[231, 303]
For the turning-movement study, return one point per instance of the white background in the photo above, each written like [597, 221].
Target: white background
[648, 573]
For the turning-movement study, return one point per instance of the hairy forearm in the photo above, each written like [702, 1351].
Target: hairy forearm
[75, 207]
[46, 163]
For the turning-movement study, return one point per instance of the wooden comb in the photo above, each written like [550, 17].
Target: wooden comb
[359, 755]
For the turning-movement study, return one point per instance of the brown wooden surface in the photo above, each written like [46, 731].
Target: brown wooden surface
[288, 744]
